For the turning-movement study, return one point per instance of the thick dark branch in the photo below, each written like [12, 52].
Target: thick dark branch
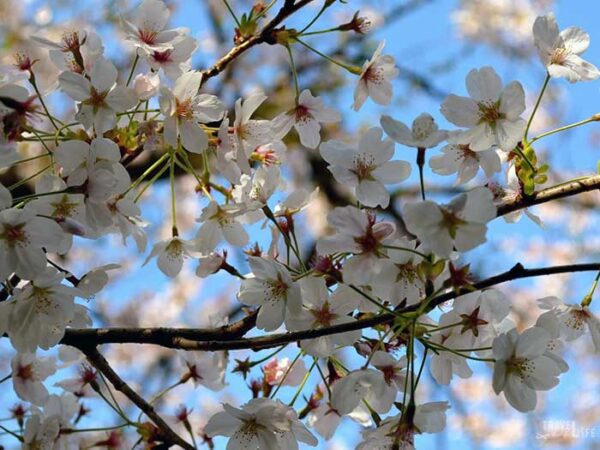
[289, 7]
[568, 189]
[102, 365]
[186, 338]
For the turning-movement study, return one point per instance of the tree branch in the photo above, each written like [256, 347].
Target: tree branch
[552, 193]
[102, 365]
[190, 339]
[289, 7]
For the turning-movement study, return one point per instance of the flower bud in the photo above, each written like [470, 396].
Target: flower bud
[146, 86]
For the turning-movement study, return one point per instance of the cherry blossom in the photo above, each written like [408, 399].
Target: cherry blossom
[146, 27]
[492, 114]
[38, 313]
[424, 132]
[461, 224]
[23, 236]
[183, 108]
[323, 311]
[260, 424]
[358, 232]
[100, 98]
[461, 159]
[272, 287]
[171, 253]
[221, 222]
[28, 372]
[367, 167]
[375, 79]
[574, 320]
[559, 50]
[363, 385]
[306, 117]
[522, 368]
[206, 369]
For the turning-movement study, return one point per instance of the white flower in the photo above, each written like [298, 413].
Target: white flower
[522, 368]
[249, 133]
[23, 237]
[375, 79]
[284, 372]
[323, 311]
[40, 432]
[459, 158]
[91, 48]
[170, 254]
[393, 370]
[574, 320]
[146, 26]
[460, 224]
[511, 192]
[363, 385]
[273, 288]
[325, 419]
[559, 50]
[479, 313]
[357, 232]
[220, 222]
[206, 368]
[38, 313]
[183, 108]
[95, 280]
[175, 60]
[101, 99]
[424, 132]
[306, 117]
[146, 86]
[28, 373]
[492, 114]
[399, 280]
[254, 192]
[261, 424]
[366, 168]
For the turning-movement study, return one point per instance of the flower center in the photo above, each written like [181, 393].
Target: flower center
[363, 166]
[323, 316]
[162, 57]
[15, 235]
[490, 112]
[96, 99]
[451, 222]
[184, 108]
[147, 36]
[25, 372]
[521, 367]
[559, 56]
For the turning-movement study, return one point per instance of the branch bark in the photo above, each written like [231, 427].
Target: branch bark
[190, 339]
[102, 365]
[552, 193]
[289, 7]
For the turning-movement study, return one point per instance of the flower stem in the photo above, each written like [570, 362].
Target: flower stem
[294, 73]
[237, 21]
[594, 118]
[348, 67]
[588, 298]
[536, 106]
[133, 66]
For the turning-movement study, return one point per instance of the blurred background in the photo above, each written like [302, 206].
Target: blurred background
[435, 43]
